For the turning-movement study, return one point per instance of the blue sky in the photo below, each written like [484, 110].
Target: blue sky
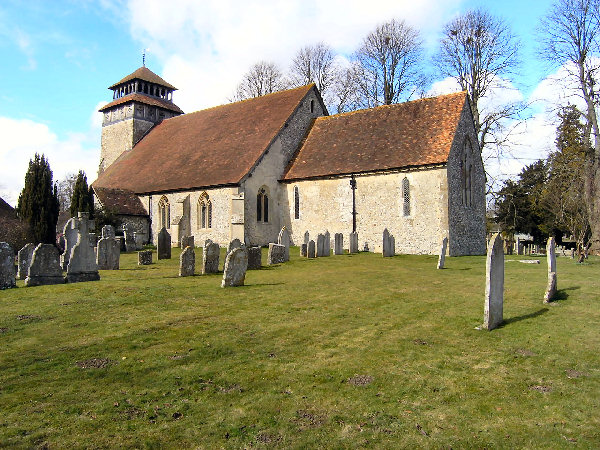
[58, 58]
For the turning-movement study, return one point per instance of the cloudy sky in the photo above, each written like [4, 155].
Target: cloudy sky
[58, 58]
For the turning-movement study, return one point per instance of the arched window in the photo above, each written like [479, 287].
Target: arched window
[405, 197]
[262, 206]
[164, 213]
[296, 203]
[204, 211]
[466, 173]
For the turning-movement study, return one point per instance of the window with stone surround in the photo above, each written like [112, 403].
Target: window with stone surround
[204, 211]
[405, 197]
[164, 213]
[296, 202]
[262, 206]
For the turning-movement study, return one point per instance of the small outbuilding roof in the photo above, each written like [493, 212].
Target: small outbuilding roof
[120, 201]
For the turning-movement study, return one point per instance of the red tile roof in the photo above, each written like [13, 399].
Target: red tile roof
[144, 74]
[410, 134]
[120, 201]
[213, 147]
[137, 97]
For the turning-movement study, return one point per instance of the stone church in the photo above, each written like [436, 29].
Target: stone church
[246, 169]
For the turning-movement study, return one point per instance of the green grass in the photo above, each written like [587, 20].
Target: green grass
[341, 352]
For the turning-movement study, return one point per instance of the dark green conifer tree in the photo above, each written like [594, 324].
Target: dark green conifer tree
[83, 196]
[38, 203]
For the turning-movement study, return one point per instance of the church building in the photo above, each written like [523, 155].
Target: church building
[246, 169]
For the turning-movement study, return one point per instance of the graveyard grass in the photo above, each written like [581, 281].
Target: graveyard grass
[340, 352]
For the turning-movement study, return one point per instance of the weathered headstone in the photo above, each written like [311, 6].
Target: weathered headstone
[138, 240]
[210, 260]
[311, 251]
[45, 267]
[494, 283]
[235, 243]
[7, 266]
[24, 260]
[187, 241]
[551, 257]
[327, 244]
[354, 242]
[145, 258]
[93, 239]
[320, 245]
[108, 231]
[82, 261]
[442, 257]
[164, 244]
[338, 247]
[276, 254]
[284, 239]
[70, 232]
[389, 244]
[187, 262]
[306, 238]
[108, 254]
[130, 240]
[366, 247]
[254, 258]
[234, 270]
[304, 250]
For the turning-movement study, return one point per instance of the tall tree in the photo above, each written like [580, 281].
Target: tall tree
[82, 199]
[262, 78]
[477, 50]
[571, 39]
[38, 204]
[65, 191]
[390, 63]
[314, 64]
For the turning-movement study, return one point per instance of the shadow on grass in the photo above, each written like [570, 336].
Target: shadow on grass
[562, 294]
[524, 317]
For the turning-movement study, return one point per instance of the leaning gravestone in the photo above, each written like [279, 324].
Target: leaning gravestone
[70, 232]
[311, 253]
[234, 270]
[108, 253]
[284, 239]
[210, 260]
[164, 244]
[389, 244]
[235, 243]
[442, 257]
[187, 241]
[7, 266]
[304, 250]
[187, 262]
[145, 258]
[327, 244]
[254, 258]
[338, 247]
[45, 267]
[320, 245]
[354, 242]
[24, 259]
[494, 283]
[276, 254]
[82, 261]
[551, 256]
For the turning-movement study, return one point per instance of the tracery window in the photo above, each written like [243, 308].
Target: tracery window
[164, 213]
[262, 206]
[466, 173]
[296, 203]
[405, 197]
[204, 211]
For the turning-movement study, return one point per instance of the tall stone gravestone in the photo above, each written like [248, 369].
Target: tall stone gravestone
[210, 260]
[442, 257]
[327, 244]
[7, 266]
[494, 283]
[338, 247]
[235, 243]
[354, 242]
[254, 258]
[82, 261]
[551, 256]
[164, 244]
[187, 262]
[187, 241]
[284, 239]
[108, 251]
[276, 254]
[130, 239]
[320, 245]
[45, 267]
[311, 251]
[70, 232]
[234, 270]
[389, 244]
[139, 240]
[24, 260]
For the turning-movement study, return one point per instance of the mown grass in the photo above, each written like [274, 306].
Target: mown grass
[341, 352]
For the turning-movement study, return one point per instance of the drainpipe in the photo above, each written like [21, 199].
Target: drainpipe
[353, 186]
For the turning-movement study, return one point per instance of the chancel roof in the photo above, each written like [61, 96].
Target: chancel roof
[388, 137]
[144, 74]
[214, 147]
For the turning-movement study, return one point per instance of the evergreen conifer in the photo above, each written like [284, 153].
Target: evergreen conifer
[83, 196]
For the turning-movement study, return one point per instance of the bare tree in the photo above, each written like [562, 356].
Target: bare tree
[262, 78]
[314, 64]
[389, 64]
[65, 190]
[571, 38]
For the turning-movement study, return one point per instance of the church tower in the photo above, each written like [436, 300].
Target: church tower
[140, 101]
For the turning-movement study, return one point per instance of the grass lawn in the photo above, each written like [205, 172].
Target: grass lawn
[341, 352]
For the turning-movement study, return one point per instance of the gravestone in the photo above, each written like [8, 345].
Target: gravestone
[7, 266]
[130, 240]
[389, 244]
[311, 251]
[138, 240]
[93, 239]
[276, 254]
[306, 238]
[442, 257]
[70, 232]
[354, 242]
[338, 247]
[327, 244]
[284, 239]
[145, 258]
[61, 243]
[210, 259]
[572, 253]
[45, 267]
[187, 241]
[320, 245]
[234, 270]
[494, 283]
[82, 261]
[24, 259]
[304, 250]
[551, 257]
[254, 258]
[366, 247]
[187, 262]
[108, 231]
[164, 244]
[108, 253]
[235, 243]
